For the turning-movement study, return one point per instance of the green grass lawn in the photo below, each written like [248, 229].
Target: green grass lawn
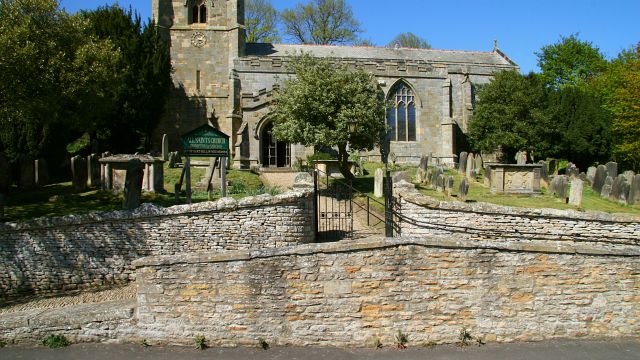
[480, 193]
[62, 199]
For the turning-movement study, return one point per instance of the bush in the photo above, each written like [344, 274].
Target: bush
[200, 341]
[55, 341]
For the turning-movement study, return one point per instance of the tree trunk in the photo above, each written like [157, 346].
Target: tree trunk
[343, 157]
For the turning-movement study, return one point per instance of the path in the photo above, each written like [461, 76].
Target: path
[625, 349]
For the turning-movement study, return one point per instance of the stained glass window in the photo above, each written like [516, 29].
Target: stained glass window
[402, 115]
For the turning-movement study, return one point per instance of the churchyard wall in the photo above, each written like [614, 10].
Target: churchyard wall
[422, 215]
[54, 255]
[352, 293]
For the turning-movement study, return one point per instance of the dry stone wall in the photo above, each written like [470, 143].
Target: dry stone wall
[351, 293]
[54, 255]
[422, 215]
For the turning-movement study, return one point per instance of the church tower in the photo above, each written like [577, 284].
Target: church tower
[205, 38]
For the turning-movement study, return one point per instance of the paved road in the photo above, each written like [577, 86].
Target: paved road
[548, 350]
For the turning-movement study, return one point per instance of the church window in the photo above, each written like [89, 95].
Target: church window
[198, 13]
[401, 117]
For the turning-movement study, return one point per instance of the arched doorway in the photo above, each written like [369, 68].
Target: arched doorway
[274, 153]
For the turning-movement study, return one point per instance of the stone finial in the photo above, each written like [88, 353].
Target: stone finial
[495, 44]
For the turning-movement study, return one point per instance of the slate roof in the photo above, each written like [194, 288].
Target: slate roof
[367, 52]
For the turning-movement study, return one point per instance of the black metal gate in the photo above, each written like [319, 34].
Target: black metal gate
[334, 208]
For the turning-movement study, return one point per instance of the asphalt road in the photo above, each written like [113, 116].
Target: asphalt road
[548, 350]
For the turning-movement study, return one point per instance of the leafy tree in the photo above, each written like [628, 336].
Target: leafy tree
[261, 21]
[321, 22]
[52, 77]
[145, 78]
[409, 40]
[569, 62]
[314, 108]
[510, 116]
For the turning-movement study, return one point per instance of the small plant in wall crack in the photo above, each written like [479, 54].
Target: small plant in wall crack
[263, 344]
[2, 344]
[401, 340]
[200, 341]
[465, 338]
[144, 343]
[377, 343]
[55, 341]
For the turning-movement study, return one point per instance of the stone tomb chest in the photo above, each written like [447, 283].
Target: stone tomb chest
[113, 172]
[514, 179]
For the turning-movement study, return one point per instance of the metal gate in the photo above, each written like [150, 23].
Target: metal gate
[334, 208]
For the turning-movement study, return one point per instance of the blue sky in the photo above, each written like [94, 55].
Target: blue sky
[521, 27]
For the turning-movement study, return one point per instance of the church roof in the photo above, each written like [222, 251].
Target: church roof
[380, 53]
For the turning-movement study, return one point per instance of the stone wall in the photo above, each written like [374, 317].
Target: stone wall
[48, 256]
[351, 293]
[423, 215]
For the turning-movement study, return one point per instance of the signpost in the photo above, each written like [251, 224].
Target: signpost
[205, 141]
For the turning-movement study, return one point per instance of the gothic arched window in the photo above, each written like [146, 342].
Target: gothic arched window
[198, 12]
[401, 117]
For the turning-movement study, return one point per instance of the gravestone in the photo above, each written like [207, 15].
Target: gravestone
[419, 176]
[521, 158]
[400, 176]
[429, 159]
[470, 169]
[133, 184]
[634, 191]
[26, 174]
[553, 167]
[303, 180]
[424, 163]
[629, 174]
[575, 192]
[41, 174]
[606, 187]
[378, 183]
[558, 186]
[619, 189]
[449, 185]
[5, 174]
[463, 189]
[591, 174]
[93, 170]
[79, 172]
[599, 178]
[612, 169]
[440, 183]
[487, 175]
[462, 166]
[165, 147]
[544, 172]
[572, 170]
[478, 163]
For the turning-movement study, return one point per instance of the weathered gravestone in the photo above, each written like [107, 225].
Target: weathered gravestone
[521, 157]
[606, 187]
[487, 174]
[449, 185]
[575, 192]
[544, 172]
[628, 175]
[400, 176]
[165, 147]
[553, 167]
[79, 172]
[558, 186]
[303, 180]
[463, 189]
[572, 170]
[440, 183]
[26, 174]
[591, 174]
[599, 178]
[470, 169]
[133, 184]
[462, 166]
[5, 174]
[478, 163]
[41, 174]
[612, 169]
[619, 189]
[634, 191]
[93, 170]
[378, 183]
[429, 159]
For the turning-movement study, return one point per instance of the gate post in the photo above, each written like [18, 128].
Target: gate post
[315, 203]
[388, 215]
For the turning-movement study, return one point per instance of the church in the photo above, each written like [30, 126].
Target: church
[222, 80]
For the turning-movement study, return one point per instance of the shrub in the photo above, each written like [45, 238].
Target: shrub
[55, 341]
[200, 341]
[263, 344]
[401, 340]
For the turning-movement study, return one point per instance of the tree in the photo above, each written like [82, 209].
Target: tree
[52, 77]
[314, 108]
[510, 116]
[569, 62]
[409, 40]
[321, 22]
[261, 21]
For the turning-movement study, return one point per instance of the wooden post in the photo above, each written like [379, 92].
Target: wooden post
[223, 177]
[187, 174]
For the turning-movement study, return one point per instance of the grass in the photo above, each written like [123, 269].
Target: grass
[62, 199]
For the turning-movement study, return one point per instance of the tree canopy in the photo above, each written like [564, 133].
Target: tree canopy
[315, 106]
[261, 21]
[322, 22]
[409, 40]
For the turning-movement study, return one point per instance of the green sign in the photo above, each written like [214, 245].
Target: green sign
[205, 141]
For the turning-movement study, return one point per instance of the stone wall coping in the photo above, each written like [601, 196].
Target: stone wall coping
[556, 247]
[517, 166]
[493, 209]
[151, 211]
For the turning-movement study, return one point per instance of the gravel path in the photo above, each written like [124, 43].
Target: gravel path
[120, 293]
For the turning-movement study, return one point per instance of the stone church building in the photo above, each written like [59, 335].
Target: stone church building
[221, 79]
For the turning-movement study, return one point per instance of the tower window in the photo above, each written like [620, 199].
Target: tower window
[401, 117]
[198, 13]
